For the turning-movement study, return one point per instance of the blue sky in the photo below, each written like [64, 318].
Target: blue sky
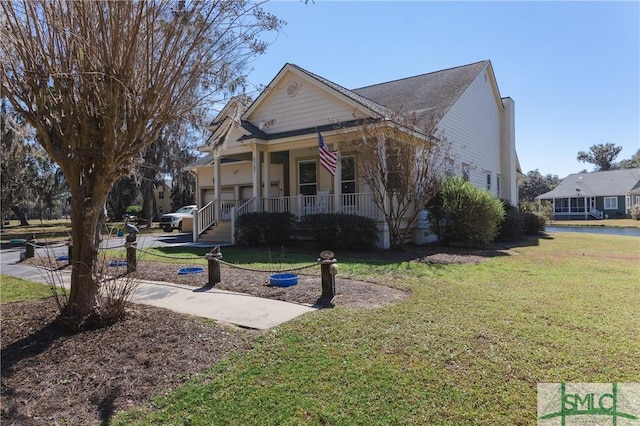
[572, 68]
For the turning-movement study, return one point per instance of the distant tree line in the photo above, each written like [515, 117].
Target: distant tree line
[33, 186]
[602, 156]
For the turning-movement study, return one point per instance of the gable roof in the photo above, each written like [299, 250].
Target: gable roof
[429, 96]
[595, 184]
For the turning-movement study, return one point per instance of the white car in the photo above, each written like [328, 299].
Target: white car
[171, 221]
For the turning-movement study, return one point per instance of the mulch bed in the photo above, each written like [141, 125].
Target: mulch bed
[50, 377]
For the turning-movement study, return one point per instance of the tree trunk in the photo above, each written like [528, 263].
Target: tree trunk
[20, 214]
[86, 216]
[146, 188]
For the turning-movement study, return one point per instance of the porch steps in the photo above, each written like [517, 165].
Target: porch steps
[219, 233]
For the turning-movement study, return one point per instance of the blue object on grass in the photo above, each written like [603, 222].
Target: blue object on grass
[118, 263]
[193, 270]
[63, 258]
[283, 280]
[17, 241]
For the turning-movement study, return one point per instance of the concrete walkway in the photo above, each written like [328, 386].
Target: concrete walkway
[228, 307]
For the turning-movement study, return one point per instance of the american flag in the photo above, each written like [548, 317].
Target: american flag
[328, 159]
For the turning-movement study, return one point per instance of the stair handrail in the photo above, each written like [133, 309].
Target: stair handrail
[596, 213]
[244, 207]
[206, 217]
[234, 215]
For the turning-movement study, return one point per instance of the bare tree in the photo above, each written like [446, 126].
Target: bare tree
[98, 80]
[403, 162]
[18, 168]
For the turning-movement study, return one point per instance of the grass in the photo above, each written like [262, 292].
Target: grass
[617, 223]
[17, 290]
[468, 347]
[53, 230]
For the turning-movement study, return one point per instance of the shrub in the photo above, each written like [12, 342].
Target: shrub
[512, 227]
[542, 208]
[133, 210]
[634, 211]
[264, 228]
[534, 223]
[337, 231]
[462, 212]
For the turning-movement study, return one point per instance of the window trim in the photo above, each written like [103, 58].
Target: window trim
[343, 180]
[466, 172]
[612, 205]
[300, 184]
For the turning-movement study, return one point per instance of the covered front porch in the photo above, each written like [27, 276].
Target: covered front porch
[268, 180]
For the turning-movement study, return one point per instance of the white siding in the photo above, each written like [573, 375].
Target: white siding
[472, 125]
[311, 106]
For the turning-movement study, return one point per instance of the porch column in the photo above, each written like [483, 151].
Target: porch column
[587, 208]
[266, 183]
[217, 188]
[385, 240]
[337, 183]
[255, 159]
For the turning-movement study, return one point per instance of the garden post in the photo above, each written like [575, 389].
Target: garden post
[69, 245]
[30, 248]
[213, 258]
[328, 269]
[131, 253]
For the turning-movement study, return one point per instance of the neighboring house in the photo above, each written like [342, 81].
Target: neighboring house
[263, 155]
[598, 195]
[162, 196]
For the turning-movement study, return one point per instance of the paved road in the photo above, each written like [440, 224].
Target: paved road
[234, 308]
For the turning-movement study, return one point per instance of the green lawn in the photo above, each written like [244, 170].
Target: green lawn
[468, 347]
[16, 290]
[56, 230]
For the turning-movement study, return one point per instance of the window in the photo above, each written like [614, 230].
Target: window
[161, 195]
[561, 205]
[498, 185]
[489, 181]
[577, 205]
[394, 166]
[465, 172]
[448, 167]
[307, 177]
[611, 203]
[348, 175]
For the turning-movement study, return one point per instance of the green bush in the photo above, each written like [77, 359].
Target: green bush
[635, 212]
[133, 210]
[341, 231]
[512, 227]
[264, 228]
[542, 208]
[534, 223]
[463, 213]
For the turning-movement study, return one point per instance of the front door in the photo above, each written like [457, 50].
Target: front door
[592, 203]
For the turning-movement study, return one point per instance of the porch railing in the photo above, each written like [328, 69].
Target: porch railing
[304, 205]
[298, 205]
[204, 218]
[596, 213]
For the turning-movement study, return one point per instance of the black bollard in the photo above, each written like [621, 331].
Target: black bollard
[70, 252]
[30, 248]
[213, 265]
